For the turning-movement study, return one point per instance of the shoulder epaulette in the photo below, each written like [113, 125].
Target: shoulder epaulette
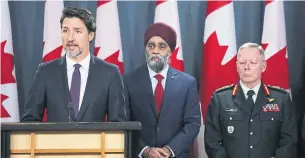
[224, 88]
[277, 88]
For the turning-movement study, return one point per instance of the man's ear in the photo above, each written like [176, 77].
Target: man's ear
[91, 36]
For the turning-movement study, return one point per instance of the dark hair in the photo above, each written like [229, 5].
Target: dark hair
[81, 13]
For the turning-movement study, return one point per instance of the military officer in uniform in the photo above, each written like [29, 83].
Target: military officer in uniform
[250, 119]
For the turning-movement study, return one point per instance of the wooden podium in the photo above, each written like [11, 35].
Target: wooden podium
[69, 140]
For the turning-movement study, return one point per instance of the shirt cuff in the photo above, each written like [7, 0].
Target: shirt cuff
[172, 153]
[141, 153]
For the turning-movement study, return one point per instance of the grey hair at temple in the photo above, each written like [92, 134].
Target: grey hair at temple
[252, 45]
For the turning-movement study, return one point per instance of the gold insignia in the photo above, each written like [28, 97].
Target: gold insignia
[224, 87]
[271, 100]
[276, 87]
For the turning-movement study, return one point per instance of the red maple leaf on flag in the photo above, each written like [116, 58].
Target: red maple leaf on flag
[4, 113]
[54, 54]
[214, 5]
[274, 75]
[215, 75]
[102, 2]
[7, 67]
[114, 59]
[160, 2]
[268, 2]
[175, 62]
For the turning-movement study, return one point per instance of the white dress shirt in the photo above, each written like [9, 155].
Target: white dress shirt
[154, 83]
[246, 89]
[153, 79]
[84, 70]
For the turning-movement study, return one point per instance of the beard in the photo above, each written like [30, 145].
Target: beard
[157, 62]
[73, 53]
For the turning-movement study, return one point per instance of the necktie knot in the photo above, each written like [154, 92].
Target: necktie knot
[159, 78]
[250, 93]
[77, 66]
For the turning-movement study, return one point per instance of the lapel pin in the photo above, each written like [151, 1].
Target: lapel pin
[271, 100]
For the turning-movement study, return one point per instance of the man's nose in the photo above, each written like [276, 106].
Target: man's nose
[155, 52]
[247, 66]
[71, 36]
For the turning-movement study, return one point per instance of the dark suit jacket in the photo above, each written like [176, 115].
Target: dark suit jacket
[103, 94]
[232, 131]
[179, 120]
[303, 134]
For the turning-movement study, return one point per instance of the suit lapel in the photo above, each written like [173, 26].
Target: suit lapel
[147, 87]
[61, 74]
[239, 100]
[261, 100]
[90, 88]
[170, 83]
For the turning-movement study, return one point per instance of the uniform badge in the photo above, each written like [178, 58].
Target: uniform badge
[271, 108]
[270, 100]
[230, 129]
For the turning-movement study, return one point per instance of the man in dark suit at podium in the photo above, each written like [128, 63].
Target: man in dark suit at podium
[163, 99]
[78, 86]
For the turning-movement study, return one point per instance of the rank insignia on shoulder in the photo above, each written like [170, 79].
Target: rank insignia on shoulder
[225, 87]
[277, 87]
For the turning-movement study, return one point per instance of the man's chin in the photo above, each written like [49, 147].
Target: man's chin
[74, 54]
[248, 80]
[155, 68]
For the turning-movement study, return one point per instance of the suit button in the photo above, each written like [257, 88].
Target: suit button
[272, 119]
[251, 147]
[230, 118]
[251, 120]
[251, 133]
[158, 129]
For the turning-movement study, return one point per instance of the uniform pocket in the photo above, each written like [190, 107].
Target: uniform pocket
[270, 125]
[234, 125]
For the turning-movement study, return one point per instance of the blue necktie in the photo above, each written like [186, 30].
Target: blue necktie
[75, 88]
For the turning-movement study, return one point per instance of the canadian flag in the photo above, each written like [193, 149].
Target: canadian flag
[9, 96]
[52, 45]
[219, 56]
[52, 32]
[108, 37]
[167, 12]
[274, 44]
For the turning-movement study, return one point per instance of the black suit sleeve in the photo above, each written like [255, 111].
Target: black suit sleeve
[116, 100]
[288, 137]
[192, 121]
[213, 136]
[137, 142]
[35, 103]
[303, 133]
